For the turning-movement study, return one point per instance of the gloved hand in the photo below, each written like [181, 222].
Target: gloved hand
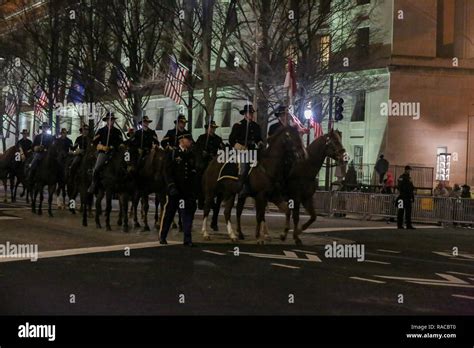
[172, 190]
[239, 147]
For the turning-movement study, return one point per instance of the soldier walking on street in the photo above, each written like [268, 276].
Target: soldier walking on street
[180, 177]
[405, 199]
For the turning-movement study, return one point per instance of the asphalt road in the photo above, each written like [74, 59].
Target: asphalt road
[90, 271]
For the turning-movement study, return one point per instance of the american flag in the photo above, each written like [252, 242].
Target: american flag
[11, 105]
[175, 80]
[123, 83]
[41, 101]
[318, 128]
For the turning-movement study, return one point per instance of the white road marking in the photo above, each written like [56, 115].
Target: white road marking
[389, 251]
[380, 262]
[9, 218]
[449, 280]
[336, 229]
[461, 256]
[309, 258]
[304, 251]
[368, 280]
[464, 296]
[213, 252]
[91, 250]
[290, 254]
[286, 266]
[460, 273]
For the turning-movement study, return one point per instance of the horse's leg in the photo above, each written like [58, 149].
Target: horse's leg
[136, 200]
[84, 204]
[12, 188]
[157, 202]
[40, 206]
[229, 204]
[260, 205]
[98, 207]
[309, 206]
[5, 198]
[34, 194]
[146, 207]
[206, 209]
[215, 212]
[17, 183]
[108, 209]
[240, 208]
[296, 221]
[51, 189]
[120, 211]
[125, 199]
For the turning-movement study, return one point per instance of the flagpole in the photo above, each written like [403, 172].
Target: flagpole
[207, 130]
[255, 95]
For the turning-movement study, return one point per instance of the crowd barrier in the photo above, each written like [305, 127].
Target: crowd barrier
[368, 205]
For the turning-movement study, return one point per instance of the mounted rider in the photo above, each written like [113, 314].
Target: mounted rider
[282, 116]
[41, 143]
[170, 139]
[64, 142]
[144, 139]
[24, 145]
[209, 143]
[81, 144]
[246, 135]
[106, 140]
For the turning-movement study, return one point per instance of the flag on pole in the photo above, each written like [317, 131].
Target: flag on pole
[123, 83]
[290, 81]
[77, 90]
[40, 102]
[175, 80]
[318, 128]
[11, 105]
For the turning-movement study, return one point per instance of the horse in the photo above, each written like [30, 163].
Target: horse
[48, 173]
[8, 163]
[302, 184]
[262, 179]
[20, 176]
[117, 177]
[150, 180]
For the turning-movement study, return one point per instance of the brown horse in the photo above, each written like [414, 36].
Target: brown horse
[302, 184]
[263, 181]
[8, 164]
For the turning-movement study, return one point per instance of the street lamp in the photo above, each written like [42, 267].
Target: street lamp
[308, 114]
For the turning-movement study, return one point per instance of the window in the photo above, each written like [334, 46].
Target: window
[159, 120]
[358, 161]
[231, 61]
[199, 117]
[443, 164]
[226, 114]
[324, 7]
[445, 28]
[363, 2]
[358, 113]
[325, 49]
[363, 41]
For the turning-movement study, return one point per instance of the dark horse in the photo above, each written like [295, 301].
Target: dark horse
[150, 179]
[8, 164]
[263, 181]
[48, 173]
[117, 177]
[302, 183]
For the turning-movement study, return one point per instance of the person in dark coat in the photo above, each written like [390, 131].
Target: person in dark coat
[282, 115]
[209, 143]
[81, 144]
[246, 135]
[381, 167]
[180, 177]
[170, 140]
[41, 143]
[405, 199]
[106, 140]
[145, 138]
[24, 143]
[64, 142]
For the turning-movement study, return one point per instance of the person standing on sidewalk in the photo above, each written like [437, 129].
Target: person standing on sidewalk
[381, 167]
[405, 199]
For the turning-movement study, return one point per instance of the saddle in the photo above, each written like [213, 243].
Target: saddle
[229, 171]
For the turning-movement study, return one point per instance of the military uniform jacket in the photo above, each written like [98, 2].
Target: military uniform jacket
[214, 143]
[82, 142]
[25, 144]
[406, 187]
[43, 139]
[180, 171]
[115, 139]
[65, 144]
[274, 128]
[237, 134]
[170, 137]
[149, 139]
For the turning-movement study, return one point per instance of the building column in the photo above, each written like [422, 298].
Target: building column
[464, 29]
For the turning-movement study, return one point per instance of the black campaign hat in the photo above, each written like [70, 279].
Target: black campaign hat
[185, 136]
[25, 131]
[181, 117]
[145, 119]
[110, 115]
[213, 125]
[248, 108]
[408, 168]
[84, 127]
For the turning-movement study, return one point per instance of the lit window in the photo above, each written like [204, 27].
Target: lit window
[325, 49]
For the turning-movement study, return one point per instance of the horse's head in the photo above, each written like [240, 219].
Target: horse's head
[334, 147]
[289, 143]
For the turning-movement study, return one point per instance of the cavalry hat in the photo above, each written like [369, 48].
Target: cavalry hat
[84, 127]
[280, 111]
[110, 115]
[185, 136]
[64, 130]
[248, 108]
[213, 125]
[408, 168]
[145, 119]
[181, 118]
[25, 131]
[44, 125]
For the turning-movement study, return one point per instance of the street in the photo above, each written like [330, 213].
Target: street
[428, 271]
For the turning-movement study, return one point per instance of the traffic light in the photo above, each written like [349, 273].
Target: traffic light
[338, 116]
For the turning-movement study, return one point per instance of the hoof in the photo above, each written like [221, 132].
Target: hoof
[207, 238]
[260, 242]
[125, 229]
[234, 240]
[146, 229]
[73, 211]
[136, 225]
[40, 212]
[241, 236]
[282, 237]
[108, 228]
[33, 211]
[50, 214]
[119, 223]
[84, 223]
[98, 226]
[298, 242]
[174, 226]
[215, 228]
[267, 237]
